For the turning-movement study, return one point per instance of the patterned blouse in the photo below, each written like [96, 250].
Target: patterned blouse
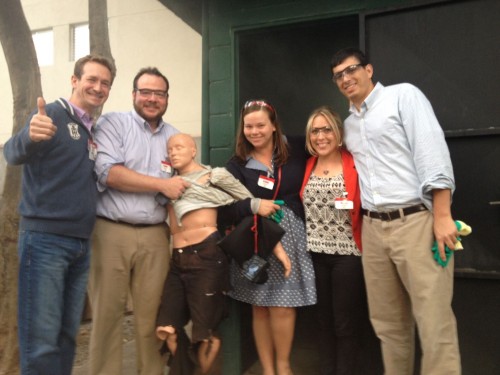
[329, 230]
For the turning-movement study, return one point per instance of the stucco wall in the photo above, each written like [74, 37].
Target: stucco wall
[142, 33]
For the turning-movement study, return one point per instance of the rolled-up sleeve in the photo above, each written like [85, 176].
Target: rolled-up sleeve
[110, 150]
[427, 142]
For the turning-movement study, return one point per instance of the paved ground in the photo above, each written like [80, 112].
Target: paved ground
[81, 366]
[301, 363]
[476, 304]
[304, 356]
[129, 367]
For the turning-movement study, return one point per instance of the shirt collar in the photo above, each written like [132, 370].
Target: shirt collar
[255, 164]
[141, 122]
[84, 116]
[370, 99]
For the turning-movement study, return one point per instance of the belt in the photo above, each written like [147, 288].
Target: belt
[396, 214]
[139, 225]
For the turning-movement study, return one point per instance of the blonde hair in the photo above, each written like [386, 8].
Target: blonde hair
[333, 120]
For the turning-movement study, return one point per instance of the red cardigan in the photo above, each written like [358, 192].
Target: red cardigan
[352, 188]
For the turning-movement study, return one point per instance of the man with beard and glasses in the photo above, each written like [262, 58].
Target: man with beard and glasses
[131, 238]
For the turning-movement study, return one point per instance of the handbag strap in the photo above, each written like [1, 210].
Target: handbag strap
[279, 183]
[255, 234]
[254, 227]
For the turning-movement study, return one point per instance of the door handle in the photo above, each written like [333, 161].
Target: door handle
[495, 203]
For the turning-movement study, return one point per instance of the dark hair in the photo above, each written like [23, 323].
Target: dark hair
[152, 71]
[80, 63]
[244, 147]
[345, 53]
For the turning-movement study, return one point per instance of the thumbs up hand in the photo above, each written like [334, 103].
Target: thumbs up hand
[41, 126]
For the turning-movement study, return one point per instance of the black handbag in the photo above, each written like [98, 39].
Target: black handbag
[250, 243]
[255, 269]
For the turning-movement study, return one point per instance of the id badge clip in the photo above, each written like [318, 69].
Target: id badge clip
[166, 167]
[92, 148]
[266, 182]
[343, 203]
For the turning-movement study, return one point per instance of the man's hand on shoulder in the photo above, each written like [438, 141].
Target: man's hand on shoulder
[41, 126]
[174, 187]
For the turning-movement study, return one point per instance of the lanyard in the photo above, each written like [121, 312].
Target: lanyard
[254, 227]
[255, 234]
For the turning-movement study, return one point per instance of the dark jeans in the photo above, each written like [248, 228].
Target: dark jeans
[196, 288]
[340, 311]
[53, 273]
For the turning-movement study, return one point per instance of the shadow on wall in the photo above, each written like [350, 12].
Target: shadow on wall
[198, 147]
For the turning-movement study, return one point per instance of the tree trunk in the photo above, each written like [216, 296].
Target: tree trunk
[20, 54]
[98, 28]
[98, 31]
[19, 50]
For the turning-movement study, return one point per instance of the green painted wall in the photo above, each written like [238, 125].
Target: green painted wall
[224, 23]
[447, 49]
[449, 52]
[223, 20]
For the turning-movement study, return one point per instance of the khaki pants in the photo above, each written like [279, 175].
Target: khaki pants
[406, 285]
[126, 259]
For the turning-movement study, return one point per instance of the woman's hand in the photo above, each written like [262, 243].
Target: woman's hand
[282, 256]
[267, 207]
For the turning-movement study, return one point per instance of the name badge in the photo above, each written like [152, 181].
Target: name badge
[92, 147]
[343, 204]
[266, 182]
[166, 167]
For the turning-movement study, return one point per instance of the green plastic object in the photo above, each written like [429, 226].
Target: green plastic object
[278, 215]
[463, 230]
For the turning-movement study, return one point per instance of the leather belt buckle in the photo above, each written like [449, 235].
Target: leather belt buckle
[396, 214]
[392, 215]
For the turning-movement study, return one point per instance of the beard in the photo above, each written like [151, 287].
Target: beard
[149, 118]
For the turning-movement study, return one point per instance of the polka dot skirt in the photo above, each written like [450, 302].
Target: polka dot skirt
[298, 289]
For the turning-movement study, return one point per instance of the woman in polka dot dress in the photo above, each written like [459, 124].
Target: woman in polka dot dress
[265, 161]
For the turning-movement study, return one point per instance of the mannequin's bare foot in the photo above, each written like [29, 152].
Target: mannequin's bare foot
[168, 334]
[207, 353]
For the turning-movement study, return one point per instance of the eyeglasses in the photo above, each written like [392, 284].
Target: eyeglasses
[326, 130]
[258, 103]
[146, 93]
[347, 71]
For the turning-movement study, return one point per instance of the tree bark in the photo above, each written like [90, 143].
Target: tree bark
[19, 50]
[98, 31]
[20, 54]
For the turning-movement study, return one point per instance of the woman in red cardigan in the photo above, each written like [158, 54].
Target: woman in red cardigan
[330, 195]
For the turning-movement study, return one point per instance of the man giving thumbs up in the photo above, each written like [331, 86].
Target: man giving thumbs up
[57, 210]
